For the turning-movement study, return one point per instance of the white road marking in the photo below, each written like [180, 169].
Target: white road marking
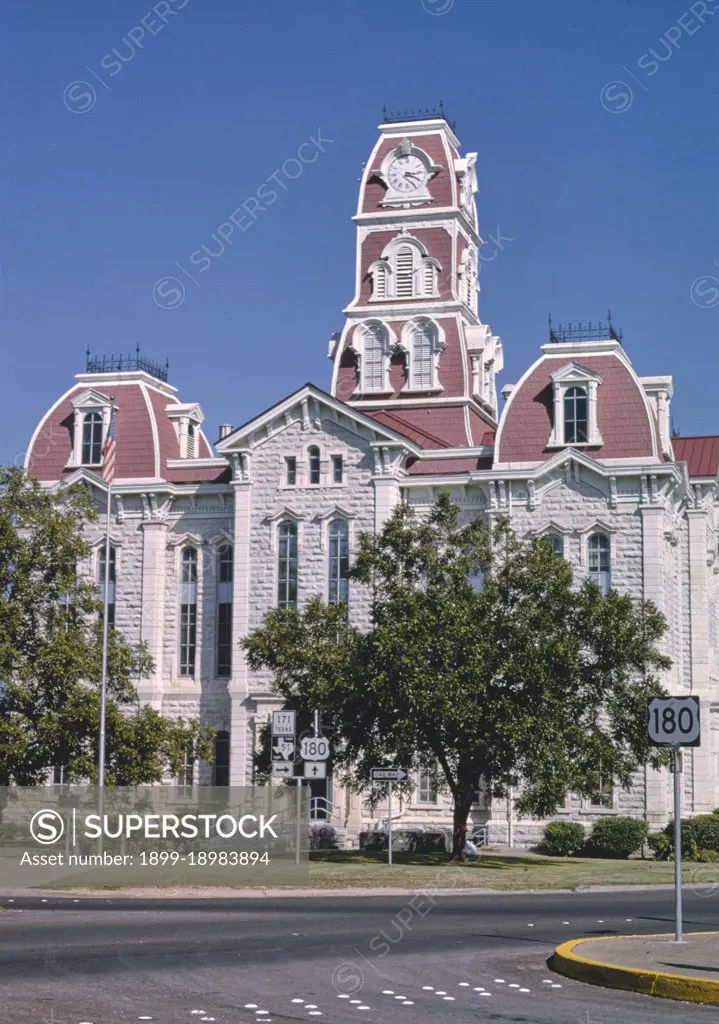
[555, 985]
[387, 991]
[400, 997]
[428, 988]
[363, 1007]
[294, 1001]
[262, 1013]
[253, 1006]
[530, 926]
[514, 985]
[408, 1002]
[448, 999]
[499, 981]
[525, 990]
[342, 996]
[479, 988]
[315, 1013]
[355, 1002]
[565, 922]
[440, 992]
[464, 984]
[485, 993]
[313, 1006]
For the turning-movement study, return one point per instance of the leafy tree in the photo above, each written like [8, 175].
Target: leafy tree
[483, 656]
[51, 650]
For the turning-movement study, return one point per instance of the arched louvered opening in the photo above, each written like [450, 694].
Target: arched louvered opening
[404, 276]
[421, 360]
[374, 358]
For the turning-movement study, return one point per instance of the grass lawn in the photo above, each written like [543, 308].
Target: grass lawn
[500, 871]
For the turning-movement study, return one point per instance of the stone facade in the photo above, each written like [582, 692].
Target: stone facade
[581, 451]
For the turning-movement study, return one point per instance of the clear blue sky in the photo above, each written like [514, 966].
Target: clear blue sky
[604, 207]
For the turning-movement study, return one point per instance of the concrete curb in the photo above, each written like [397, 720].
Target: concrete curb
[258, 893]
[650, 983]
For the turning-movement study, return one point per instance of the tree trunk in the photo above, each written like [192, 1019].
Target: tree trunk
[462, 807]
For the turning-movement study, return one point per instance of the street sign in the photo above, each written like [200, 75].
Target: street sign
[314, 748]
[674, 722]
[282, 769]
[283, 723]
[389, 774]
[315, 770]
[283, 748]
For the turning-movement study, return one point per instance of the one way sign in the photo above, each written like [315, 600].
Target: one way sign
[389, 774]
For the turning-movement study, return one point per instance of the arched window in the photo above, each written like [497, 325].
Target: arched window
[557, 542]
[221, 762]
[101, 579]
[421, 359]
[576, 422]
[313, 458]
[404, 273]
[191, 441]
[600, 565]
[380, 274]
[224, 610]
[429, 277]
[92, 439]
[373, 358]
[188, 612]
[287, 566]
[339, 562]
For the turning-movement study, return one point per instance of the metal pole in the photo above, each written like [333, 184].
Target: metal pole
[105, 622]
[316, 723]
[389, 842]
[298, 837]
[678, 843]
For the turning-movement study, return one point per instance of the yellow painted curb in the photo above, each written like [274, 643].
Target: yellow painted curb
[650, 983]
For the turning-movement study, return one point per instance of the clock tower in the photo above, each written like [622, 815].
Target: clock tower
[414, 352]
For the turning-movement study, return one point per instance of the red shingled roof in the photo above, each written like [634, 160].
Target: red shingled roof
[701, 454]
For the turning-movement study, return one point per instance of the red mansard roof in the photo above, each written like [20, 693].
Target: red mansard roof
[701, 454]
[146, 438]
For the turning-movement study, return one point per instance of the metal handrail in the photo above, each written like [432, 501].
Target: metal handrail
[322, 804]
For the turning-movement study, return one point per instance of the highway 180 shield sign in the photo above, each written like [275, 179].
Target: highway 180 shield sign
[674, 722]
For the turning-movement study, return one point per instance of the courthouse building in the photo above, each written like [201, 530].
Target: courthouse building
[206, 538]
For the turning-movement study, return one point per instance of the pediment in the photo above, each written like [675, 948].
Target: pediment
[308, 407]
[574, 371]
[91, 399]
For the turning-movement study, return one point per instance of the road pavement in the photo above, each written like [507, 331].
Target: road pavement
[443, 959]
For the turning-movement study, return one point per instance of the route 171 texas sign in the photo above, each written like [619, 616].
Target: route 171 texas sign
[674, 722]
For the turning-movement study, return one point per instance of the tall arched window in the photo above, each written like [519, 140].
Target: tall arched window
[576, 422]
[404, 273]
[188, 612]
[92, 439]
[421, 360]
[339, 562]
[287, 566]
[224, 610]
[221, 763]
[600, 565]
[380, 273]
[373, 358]
[313, 458]
[111, 582]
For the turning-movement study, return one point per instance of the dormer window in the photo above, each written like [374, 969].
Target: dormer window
[91, 420]
[576, 416]
[92, 439]
[187, 419]
[574, 392]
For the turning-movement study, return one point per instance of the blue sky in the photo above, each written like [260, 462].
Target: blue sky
[598, 166]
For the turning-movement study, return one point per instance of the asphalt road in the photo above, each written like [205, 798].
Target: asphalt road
[446, 960]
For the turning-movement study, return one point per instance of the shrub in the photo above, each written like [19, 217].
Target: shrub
[705, 830]
[660, 845]
[322, 837]
[707, 857]
[407, 840]
[562, 838]
[617, 837]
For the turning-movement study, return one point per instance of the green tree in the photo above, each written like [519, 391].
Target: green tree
[483, 656]
[50, 655]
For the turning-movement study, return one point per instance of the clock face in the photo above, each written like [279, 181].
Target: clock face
[407, 173]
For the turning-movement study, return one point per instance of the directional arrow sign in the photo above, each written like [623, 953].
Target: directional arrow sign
[389, 774]
[282, 769]
[315, 770]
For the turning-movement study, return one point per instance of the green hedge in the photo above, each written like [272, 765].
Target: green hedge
[617, 837]
[562, 838]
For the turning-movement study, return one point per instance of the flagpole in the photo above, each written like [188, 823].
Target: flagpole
[105, 624]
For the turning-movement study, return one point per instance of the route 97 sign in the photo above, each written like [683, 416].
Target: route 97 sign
[674, 722]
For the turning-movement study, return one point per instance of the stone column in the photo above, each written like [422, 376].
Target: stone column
[152, 622]
[702, 759]
[386, 489]
[240, 738]
[657, 780]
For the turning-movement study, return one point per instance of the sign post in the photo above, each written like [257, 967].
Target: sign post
[674, 722]
[389, 775]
